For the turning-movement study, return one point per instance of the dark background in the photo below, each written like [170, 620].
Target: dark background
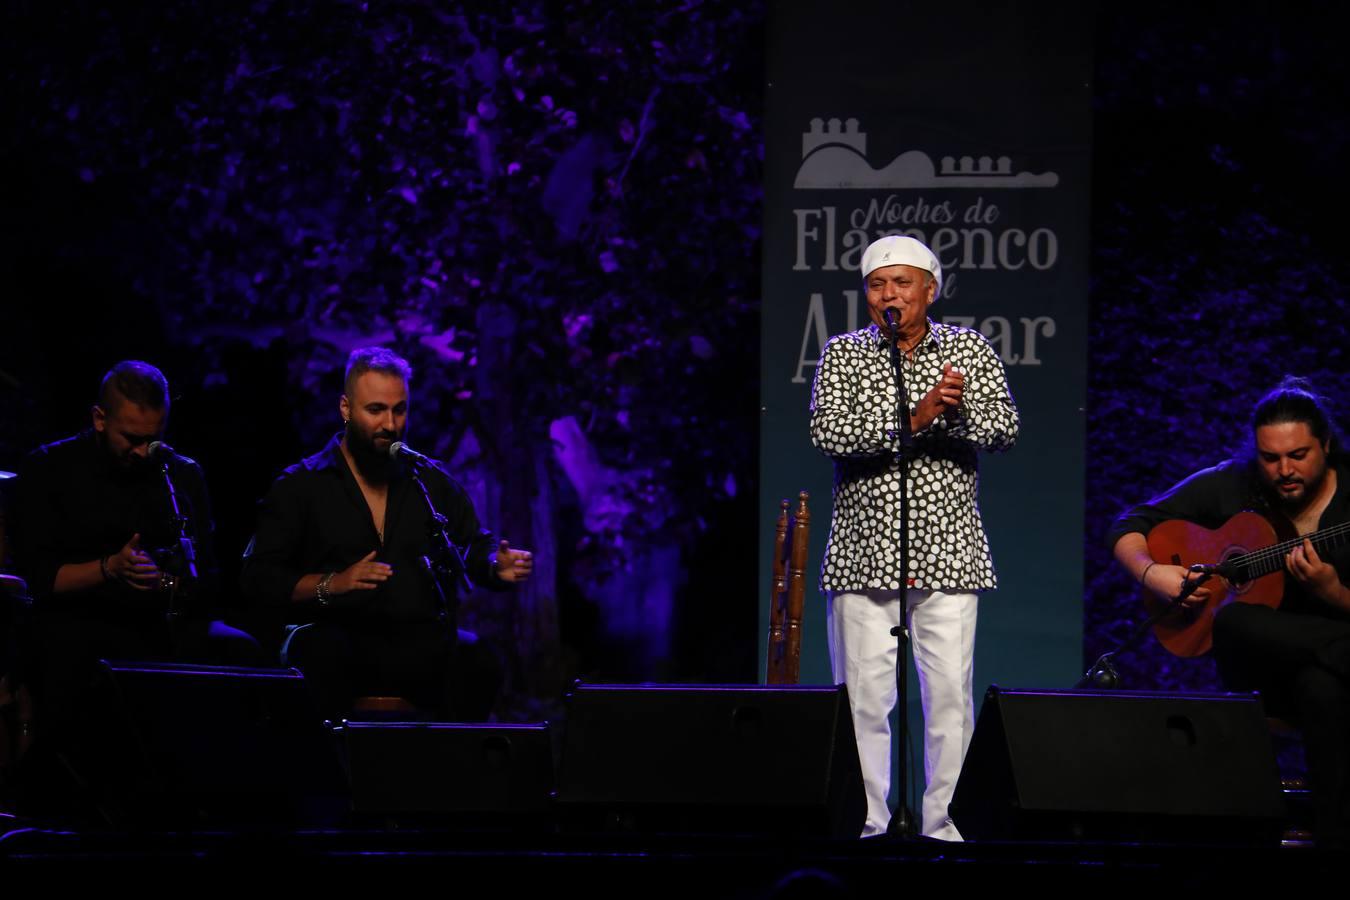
[553, 210]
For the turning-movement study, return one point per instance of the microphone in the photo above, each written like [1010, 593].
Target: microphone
[398, 449]
[179, 562]
[892, 319]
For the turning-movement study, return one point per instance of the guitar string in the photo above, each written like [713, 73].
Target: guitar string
[1275, 554]
[1279, 551]
[1271, 559]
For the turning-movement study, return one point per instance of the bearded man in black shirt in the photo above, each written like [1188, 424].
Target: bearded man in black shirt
[343, 544]
[1298, 656]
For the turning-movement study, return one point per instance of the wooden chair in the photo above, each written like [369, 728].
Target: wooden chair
[16, 703]
[788, 593]
[1287, 739]
[383, 707]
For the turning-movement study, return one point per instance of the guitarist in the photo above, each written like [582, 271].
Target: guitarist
[1297, 656]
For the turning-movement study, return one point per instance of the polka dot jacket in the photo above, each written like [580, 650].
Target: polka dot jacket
[853, 403]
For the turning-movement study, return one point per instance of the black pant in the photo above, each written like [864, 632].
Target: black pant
[73, 710]
[434, 668]
[1301, 665]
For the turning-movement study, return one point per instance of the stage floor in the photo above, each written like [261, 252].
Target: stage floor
[643, 865]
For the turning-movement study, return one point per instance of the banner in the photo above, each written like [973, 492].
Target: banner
[968, 128]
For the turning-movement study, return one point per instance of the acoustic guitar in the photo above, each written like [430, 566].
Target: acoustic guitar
[1249, 556]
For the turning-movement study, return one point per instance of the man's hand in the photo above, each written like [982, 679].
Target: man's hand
[942, 400]
[133, 567]
[512, 565]
[1160, 579]
[1318, 576]
[365, 574]
[1166, 581]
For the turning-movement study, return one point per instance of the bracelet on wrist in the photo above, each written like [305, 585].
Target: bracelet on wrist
[103, 567]
[321, 590]
[1143, 579]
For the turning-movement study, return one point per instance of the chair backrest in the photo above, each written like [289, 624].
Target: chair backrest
[787, 594]
[6, 489]
[13, 589]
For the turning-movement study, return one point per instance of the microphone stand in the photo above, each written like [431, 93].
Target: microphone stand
[446, 559]
[1102, 673]
[185, 561]
[902, 819]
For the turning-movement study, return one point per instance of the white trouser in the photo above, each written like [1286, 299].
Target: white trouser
[863, 656]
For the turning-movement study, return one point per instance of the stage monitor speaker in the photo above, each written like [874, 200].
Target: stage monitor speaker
[699, 759]
[187, 746]
[452, 774]
[1120, 766]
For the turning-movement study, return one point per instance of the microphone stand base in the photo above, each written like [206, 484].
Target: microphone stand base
[901, 827]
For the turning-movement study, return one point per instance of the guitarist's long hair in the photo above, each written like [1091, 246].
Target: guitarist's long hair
[1294, 400]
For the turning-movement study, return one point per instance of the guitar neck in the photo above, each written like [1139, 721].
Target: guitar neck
[1271, 559]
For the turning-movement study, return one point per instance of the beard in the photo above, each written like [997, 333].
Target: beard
[373, 460]
[129, 466]
[1295, 502]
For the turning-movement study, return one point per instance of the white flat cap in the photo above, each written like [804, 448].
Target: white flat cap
[899, 250]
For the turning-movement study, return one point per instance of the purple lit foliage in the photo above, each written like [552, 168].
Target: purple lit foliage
[1217, 263]
[551, 209]
[554, 211]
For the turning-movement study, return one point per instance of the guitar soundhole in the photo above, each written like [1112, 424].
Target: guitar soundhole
[1239, 586]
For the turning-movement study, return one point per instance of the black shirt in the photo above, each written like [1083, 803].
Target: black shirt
[316, 520]
[1210, 497]
[73, 503]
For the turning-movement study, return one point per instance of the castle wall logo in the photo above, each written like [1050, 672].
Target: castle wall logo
[834, 157]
